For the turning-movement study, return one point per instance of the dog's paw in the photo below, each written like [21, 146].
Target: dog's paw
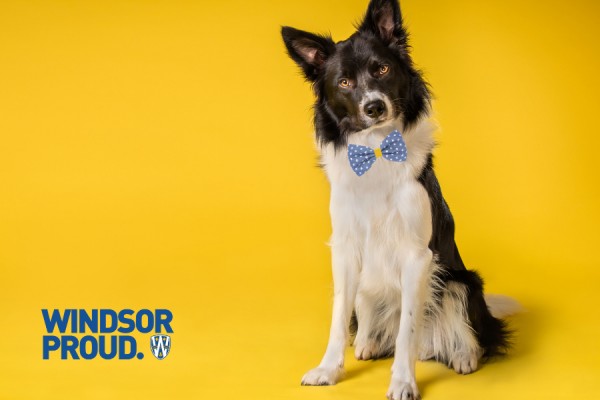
[371, 350]
[322, 376]
[365, 351]
[464, 363]
[403, 391]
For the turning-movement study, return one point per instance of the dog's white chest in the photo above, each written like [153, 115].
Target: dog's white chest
[386, 212]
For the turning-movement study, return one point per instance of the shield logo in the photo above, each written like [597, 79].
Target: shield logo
[160, 346]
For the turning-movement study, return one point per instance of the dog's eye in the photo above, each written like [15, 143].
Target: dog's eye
[344, 82]
[383, 69]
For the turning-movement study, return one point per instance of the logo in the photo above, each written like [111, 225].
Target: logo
[160, 346]
[105, 333]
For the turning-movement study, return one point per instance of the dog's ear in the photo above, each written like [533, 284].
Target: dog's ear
[310, 51]
[384, 19]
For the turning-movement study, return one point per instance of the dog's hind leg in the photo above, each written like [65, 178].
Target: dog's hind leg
[377, 327]
[364, 343]
[459, 327]
[461, 350]
[447, 335]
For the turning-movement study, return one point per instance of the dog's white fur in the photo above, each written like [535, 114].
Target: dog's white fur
[382, 265]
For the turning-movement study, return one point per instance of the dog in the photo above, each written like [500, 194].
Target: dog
[400, 285]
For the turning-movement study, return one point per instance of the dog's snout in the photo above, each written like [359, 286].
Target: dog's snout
[374, 109]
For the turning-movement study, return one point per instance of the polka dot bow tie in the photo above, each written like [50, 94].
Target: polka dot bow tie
[362, 158]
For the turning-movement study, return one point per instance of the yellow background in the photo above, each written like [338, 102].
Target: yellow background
[160, 154]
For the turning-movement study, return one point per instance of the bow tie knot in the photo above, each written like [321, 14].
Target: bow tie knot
[362, 158]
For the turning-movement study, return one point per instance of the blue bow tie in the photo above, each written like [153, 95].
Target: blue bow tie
[362, 158]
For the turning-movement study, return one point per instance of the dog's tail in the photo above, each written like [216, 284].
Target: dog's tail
[501, 306]
[494, 334]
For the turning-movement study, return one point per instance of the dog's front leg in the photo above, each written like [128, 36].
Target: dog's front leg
[414, 279]
[345, 263]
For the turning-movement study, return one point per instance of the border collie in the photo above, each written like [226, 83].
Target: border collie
[400, 285]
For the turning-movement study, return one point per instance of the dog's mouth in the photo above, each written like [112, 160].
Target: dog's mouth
[380, 121]
[365, 126]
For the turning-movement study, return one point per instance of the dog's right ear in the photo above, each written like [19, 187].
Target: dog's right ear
[310, 51]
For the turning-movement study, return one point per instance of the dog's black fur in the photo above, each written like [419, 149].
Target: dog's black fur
[492, 333]
[381, 39]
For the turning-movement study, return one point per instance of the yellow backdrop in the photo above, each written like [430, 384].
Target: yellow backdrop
[159, 154]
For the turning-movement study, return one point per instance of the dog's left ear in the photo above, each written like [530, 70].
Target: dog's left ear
[384, 19]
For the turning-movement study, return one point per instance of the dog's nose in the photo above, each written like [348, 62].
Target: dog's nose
[375, 109]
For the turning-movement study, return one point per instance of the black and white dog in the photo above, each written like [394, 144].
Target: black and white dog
[399, 281]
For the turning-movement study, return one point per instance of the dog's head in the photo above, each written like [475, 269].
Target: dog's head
[363, 81]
